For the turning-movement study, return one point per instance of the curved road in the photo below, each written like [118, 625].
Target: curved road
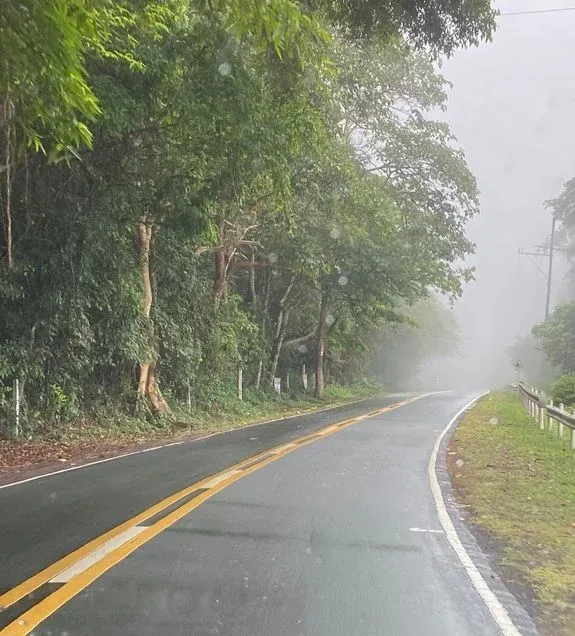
[337, 537]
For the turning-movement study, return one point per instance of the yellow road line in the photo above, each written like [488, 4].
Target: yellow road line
[215, 483]
[26, 587]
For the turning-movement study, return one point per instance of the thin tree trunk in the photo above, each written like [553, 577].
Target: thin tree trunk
[258, 381]
[278, 343]
[252, 271]
[281, 330]
[320, 347]
[148, 389]
[303, 377]
[8, 131]
[263, 338]
[240, 383]
[220, 286]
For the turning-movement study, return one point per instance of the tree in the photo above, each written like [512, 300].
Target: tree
[379, 218]
[563, 209]
[440, 26]
[47, 99]
[247, 192]
[557, 337]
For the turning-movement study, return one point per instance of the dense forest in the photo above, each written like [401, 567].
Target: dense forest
[200, 196]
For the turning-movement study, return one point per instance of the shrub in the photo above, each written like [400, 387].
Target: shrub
[563, 390]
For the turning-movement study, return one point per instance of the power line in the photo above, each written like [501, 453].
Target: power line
[558, 10]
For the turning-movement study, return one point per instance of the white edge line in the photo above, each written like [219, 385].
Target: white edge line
[183, 441]
[493, 604]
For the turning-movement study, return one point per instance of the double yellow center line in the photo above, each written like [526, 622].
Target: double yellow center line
[80, 568]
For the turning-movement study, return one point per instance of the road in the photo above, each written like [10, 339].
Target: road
[338, 536]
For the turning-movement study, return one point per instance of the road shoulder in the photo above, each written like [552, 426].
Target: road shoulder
[456, 509]
[508, 488]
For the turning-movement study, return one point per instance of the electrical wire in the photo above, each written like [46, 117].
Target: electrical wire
[534, 11]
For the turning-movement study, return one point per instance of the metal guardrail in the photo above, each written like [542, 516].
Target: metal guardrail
[547, 414]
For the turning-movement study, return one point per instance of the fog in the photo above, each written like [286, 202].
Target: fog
[511, 107]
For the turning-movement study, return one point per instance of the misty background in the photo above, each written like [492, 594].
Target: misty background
[511, 107]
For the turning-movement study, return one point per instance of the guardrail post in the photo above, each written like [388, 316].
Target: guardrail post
[572, 436]
[560, 427]
[542, 413]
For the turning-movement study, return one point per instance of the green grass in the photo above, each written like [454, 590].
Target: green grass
[519, 484]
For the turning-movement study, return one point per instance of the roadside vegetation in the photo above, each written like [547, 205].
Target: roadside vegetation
[72, 441]
[516, 486]
[200, 196]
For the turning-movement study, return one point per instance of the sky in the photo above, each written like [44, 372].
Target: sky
[511, 106]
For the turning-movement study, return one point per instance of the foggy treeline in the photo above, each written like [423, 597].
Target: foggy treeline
[511, 108]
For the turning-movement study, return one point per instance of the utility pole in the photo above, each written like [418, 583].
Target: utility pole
[537, 252]
[550, 270]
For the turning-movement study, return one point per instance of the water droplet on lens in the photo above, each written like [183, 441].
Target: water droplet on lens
[335, 233]
[342, 281]
[225, 69]
[329, 319]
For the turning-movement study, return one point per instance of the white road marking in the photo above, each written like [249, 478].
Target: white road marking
[219, 478]
[497, 610]
[431, 531]
[97, 555]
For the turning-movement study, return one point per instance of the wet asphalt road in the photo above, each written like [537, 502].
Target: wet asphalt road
[320, 542]
[43, 520]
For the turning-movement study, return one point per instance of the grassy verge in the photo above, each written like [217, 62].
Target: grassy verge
[109, 433]
[517, 486]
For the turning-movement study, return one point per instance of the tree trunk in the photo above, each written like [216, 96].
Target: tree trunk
[149, 392]
[220, 279]
[320, 347]
[252, 271]
[285, 381]
[278, 343]
[264, 310]
[8, 150]
[281, 330]
[258, 381]
[303, 377]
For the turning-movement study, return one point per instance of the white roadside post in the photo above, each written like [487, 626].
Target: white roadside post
[240, 383]
[542, 413]
[560, 427]
[16, 408]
